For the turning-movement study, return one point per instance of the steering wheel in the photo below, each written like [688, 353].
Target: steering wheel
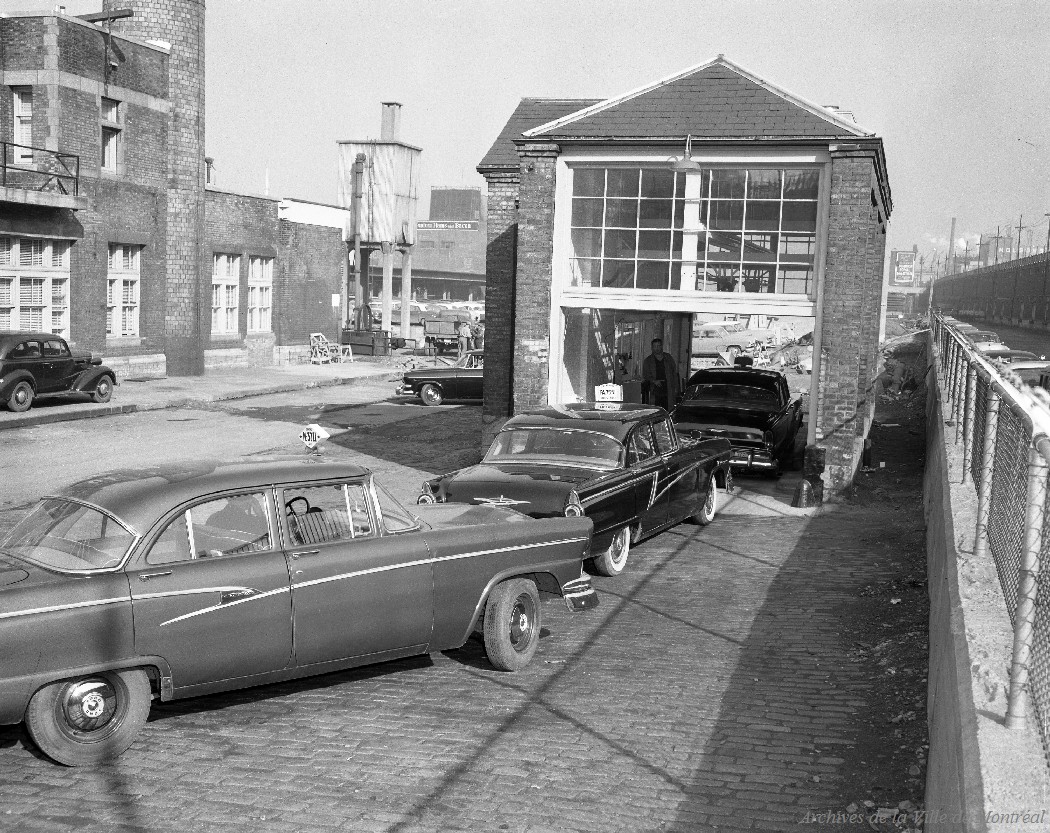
[289, 505]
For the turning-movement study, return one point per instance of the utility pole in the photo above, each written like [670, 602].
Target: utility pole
[1017, 255]
[997, 245]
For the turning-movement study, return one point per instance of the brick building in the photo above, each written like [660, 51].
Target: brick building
[712, 192]
[109, 232]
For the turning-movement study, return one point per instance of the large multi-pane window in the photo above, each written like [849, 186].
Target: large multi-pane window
[627, 228]
[122, 298]
[712, 230]
[225, 289]
[260, 293]
[34, 284]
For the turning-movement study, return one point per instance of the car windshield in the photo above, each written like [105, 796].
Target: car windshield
[730, 396]
[557, 446]
[68, 536]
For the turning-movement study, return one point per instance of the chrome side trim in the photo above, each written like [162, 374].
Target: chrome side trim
[225, 605]
[616, 488]
[68, 606]
[676, 478]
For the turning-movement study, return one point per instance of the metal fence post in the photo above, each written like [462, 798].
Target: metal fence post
[960, 394]
[984, 492]
[971, 401]
[1027, 584]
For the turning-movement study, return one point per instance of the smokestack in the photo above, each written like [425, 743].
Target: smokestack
[949, 267]
[391, 129]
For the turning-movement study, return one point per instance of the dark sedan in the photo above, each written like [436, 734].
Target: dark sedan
[622, 465]
[751, 408]
[36, 364]
[181, 581]
[463, 380]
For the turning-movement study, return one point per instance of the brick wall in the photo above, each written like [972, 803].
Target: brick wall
[242, 225]
[309, 270]
[535, 252]
[181, 23]
[852, 285]
[500, 262]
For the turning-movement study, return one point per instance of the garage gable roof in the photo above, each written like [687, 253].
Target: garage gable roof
[529, 113]
[714, 100]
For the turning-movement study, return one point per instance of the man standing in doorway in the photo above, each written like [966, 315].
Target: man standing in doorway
[660, 376]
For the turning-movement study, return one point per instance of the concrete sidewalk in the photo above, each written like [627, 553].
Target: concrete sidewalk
[214, 386]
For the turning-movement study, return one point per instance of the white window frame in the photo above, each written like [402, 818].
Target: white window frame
[260, 294]
[34, 296]
[123, 282]
[110, 130]
[22, 103]
[225, 293]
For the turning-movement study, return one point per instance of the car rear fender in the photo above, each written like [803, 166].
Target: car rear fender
[89, 378]
[12, 379]
[16, 692]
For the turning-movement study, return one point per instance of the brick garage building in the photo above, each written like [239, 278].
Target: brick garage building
[109, 232]
[604, 231]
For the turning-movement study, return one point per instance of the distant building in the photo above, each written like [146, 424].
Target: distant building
[110, 231]
[448, 259]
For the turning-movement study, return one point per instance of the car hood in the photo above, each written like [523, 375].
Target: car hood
[537, 490]
[686, 416]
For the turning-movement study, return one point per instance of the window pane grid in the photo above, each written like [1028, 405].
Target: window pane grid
[122, 292]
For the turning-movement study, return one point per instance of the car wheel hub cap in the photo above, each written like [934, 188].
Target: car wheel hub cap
[90, 705]
[20, 396]
[520, 626]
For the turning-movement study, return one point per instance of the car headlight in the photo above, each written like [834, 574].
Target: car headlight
[573, 507]
[427, 495]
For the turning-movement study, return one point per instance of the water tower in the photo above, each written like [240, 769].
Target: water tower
[378, 183]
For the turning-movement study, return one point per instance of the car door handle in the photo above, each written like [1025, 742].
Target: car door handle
[148, 576]
[301, 553]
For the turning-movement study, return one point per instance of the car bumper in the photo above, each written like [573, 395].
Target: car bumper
[752, 459]
[579, 594]
[404, 390]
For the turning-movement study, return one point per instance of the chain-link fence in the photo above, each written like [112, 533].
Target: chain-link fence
[1004, 426]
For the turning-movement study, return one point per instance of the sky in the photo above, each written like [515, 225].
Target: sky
[957, 90]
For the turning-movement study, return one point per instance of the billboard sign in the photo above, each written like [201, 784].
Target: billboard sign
[902, 271]
[448, 225]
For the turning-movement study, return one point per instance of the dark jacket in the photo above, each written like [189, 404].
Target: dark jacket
[671, 382]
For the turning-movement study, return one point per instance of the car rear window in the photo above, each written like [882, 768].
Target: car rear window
[64, 535]
[731, 396]
[564, 446]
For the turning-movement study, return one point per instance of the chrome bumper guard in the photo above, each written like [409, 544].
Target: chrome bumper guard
[745, 459]
[404, 390]
[579, 594]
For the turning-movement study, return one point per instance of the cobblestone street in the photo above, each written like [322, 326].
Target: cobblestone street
[723, 684]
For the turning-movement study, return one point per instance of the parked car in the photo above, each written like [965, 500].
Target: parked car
[709, 359]
[178, 582]
[463, 380]
[716, 337]
[1008, 356]
[623, 465]
[751, 408]
[36, 364]
[756, 337]
[1030, 371]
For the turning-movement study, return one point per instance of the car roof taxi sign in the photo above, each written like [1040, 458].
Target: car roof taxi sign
[313, 435]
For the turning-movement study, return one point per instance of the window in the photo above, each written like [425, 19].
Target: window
[111, 130]
[23, 132]
[122, 320]
[34, 284]
[225, 288]
[751, 229]
[322, 514]
[641, 447]
[231, 525]
[395, 517]
[260, 294]
[662, 430]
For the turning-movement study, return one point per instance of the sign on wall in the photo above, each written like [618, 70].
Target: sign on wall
[445, 225]
[902, 269]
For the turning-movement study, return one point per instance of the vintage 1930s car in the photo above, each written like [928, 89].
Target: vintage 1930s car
[463, 380]
[183, 581]
[36, 364]
[751, 408]
[622, 465]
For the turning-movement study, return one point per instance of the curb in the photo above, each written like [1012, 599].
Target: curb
[187, 401]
